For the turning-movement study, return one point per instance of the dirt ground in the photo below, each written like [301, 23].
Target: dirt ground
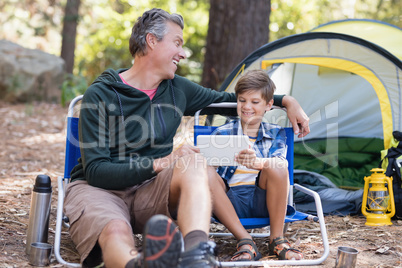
[32, 142]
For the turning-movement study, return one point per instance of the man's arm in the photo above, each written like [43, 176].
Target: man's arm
[102, 167]
[297, 116]
[278, 100]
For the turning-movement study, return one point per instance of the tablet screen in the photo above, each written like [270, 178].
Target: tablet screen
[220, 150]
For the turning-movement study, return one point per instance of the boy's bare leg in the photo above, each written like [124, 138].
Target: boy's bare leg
[117, 244]
[274, 178]
[224, 210]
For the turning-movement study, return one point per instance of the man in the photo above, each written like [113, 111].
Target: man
[128, 172]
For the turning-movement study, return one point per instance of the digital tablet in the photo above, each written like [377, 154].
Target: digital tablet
[220, 150]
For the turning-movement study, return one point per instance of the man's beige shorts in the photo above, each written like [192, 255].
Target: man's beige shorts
[90, 208]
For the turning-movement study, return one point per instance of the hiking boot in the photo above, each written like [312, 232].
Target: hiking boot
[162, 243]
[203, 256]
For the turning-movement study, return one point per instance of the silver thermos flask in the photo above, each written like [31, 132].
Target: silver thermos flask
[39, 213]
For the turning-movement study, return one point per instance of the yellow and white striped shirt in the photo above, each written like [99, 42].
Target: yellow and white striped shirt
[244, 175]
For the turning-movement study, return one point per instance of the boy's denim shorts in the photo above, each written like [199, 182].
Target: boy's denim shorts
[249, 201]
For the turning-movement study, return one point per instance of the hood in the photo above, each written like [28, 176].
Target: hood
[111, 78]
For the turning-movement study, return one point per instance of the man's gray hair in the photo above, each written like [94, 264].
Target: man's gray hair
[154, 22]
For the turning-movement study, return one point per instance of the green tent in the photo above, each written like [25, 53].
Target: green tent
[347, 77]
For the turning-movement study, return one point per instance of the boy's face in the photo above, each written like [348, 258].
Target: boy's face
[251, 107]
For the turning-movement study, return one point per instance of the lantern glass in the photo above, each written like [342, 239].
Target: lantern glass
[378, 201]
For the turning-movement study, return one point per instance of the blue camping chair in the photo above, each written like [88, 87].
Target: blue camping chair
[252, 223]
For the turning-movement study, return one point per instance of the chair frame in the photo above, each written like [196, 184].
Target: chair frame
[61, 220]
[62, 182]
[319, 217]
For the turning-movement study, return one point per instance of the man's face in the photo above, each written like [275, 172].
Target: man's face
[251, 107]
[169, 51]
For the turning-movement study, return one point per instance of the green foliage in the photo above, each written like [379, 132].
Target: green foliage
[32, 24]
[73, 86]
[384, 10]
[105, 26]
[105, 29]
[290, 17]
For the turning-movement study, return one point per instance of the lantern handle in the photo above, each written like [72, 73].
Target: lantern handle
[391, 195]
[365, 192]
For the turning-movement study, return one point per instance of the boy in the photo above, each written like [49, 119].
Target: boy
[261, 183]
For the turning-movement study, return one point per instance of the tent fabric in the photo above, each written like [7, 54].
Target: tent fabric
[376, 65]
[380, 33]
[347, 166]
[348, 81]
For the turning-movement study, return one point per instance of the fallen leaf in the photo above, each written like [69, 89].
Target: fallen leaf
[382, 250]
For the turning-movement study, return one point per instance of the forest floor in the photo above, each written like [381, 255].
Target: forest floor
[32, 143]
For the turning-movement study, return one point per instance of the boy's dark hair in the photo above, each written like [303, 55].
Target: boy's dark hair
[152, 21]
[256, 80]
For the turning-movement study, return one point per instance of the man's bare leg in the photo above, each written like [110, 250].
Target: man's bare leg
[190, 194]
[161, 245]
[117, 244]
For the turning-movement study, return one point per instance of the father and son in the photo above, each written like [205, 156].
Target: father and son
[129, 179]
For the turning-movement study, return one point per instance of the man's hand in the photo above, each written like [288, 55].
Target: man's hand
[297, 116]
[164, 162]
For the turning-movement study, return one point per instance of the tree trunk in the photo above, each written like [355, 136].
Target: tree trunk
[236, 28]
[69, 33]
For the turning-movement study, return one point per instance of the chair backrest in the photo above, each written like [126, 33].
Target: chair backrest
[72, 142]
[72, 146]
[206, 130]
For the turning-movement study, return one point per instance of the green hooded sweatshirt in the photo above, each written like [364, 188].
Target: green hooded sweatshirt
[121, 130]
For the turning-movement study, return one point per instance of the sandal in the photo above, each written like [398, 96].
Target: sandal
[252, 252]
[282, 252]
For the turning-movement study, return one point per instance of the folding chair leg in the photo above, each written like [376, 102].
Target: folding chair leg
[259, 235]
[59, 219]
[324, 236]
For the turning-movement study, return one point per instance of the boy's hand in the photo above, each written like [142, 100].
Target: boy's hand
[249, 159]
